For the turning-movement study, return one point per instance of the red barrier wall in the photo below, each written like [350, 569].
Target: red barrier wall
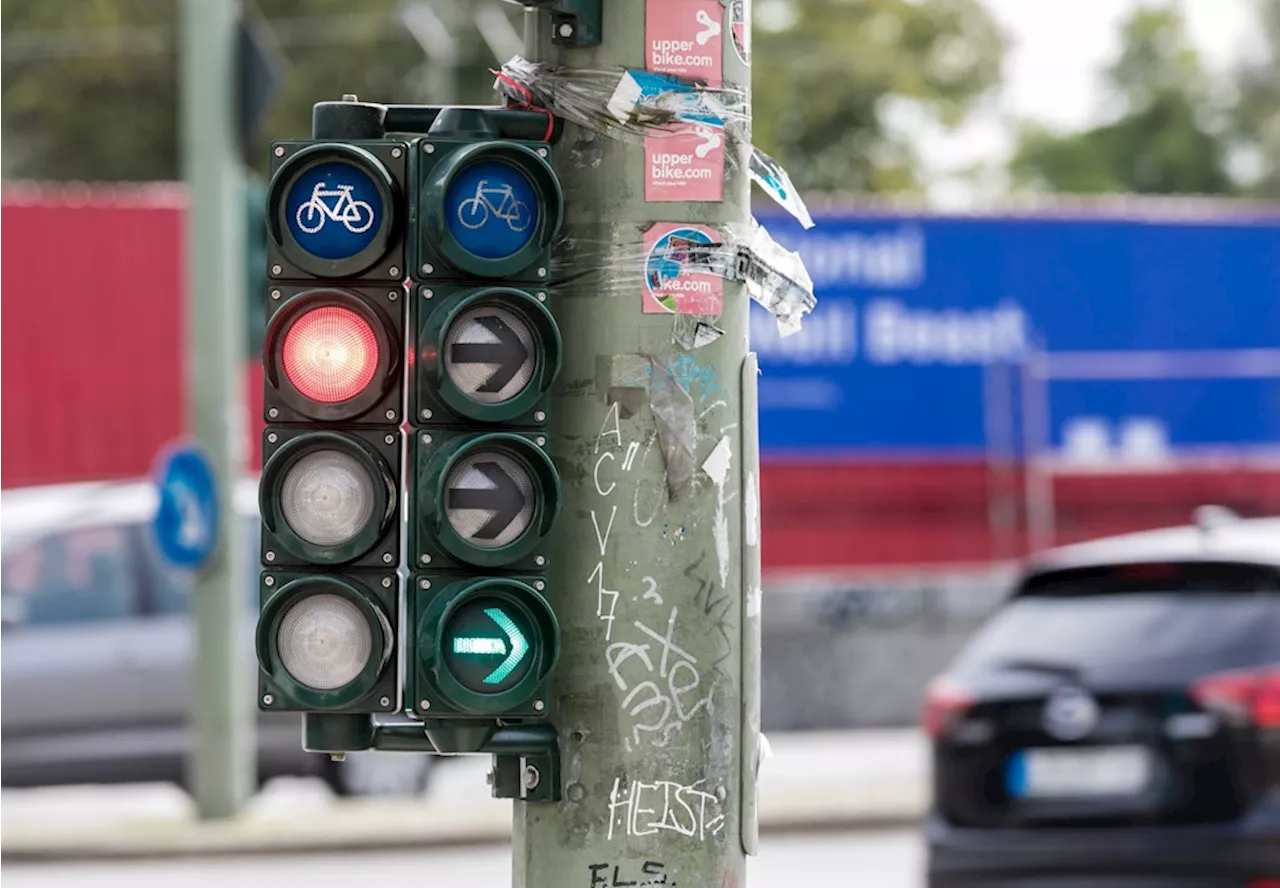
[92, 389]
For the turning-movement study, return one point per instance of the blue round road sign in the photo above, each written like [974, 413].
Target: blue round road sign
[186, 522]
[491, 209]
[333, 210]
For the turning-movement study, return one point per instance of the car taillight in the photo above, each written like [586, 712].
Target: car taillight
[330, 354]
[944, 703]
[1245, 697]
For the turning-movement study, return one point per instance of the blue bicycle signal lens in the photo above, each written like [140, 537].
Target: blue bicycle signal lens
[333, 210]
[491, 210]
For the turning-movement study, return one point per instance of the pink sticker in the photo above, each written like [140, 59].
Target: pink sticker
[685, 37]
[686, 165]
[669, 288]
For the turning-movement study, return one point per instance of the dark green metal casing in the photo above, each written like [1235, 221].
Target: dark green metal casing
[435, 253]
[376, 689]
[434, 543]
[434, 689]
[386, 163]
[434, 396]
[378, 544]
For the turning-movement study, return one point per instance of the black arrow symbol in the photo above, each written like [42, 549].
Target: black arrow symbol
[504, 499]
[508, 353]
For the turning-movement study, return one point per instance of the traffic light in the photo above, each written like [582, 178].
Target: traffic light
[330, 491]
[482, 636]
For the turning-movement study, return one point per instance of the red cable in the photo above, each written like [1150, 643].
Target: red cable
[527, 104]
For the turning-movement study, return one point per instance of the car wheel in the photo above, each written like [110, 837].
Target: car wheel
[400, 774]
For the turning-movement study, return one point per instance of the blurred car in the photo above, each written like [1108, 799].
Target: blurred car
[1117, 721]
[97, 649]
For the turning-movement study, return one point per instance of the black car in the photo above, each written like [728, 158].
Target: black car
[1117, 721]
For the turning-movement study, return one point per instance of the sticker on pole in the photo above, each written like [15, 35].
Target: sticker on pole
[686, 165]
[489, 499]
[670, 286]
[491, 210]
[185, 527]
[740, 29]
[333, 210]
[685, 37]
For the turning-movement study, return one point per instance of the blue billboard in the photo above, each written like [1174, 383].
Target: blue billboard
[1156, 335]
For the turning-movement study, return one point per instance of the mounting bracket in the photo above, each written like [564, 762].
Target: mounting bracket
[573, 22]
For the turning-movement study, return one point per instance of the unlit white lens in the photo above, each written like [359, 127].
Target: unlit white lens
[327, 497]
[324, 642]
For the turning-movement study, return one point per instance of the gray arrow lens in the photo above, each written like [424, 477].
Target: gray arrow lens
[324, 642]
[327, 497]
[489, 354]
[489, 498]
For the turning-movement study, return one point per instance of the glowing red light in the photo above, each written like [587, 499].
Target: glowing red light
[330, 354]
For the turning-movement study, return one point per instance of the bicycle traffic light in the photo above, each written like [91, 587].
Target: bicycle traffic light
[330, 489]
[482, 637]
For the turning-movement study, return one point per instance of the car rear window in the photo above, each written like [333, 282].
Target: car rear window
[1118, 612]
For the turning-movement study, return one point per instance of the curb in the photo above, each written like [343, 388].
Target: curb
[390, 830]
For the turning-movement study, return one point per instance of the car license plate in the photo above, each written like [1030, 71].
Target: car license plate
[1076, 772]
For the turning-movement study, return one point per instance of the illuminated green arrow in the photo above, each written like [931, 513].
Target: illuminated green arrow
[496, 646]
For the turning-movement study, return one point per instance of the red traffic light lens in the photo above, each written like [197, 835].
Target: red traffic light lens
[330, 354]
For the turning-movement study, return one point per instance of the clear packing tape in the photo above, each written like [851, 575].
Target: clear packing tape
[774, 276]
[630, 105]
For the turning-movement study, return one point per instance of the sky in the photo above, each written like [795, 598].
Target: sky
[1056, 53]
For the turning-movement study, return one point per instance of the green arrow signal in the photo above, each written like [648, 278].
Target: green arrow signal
[480, 646]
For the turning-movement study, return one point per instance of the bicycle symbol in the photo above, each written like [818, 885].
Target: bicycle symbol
[355, 215]
[474, 211]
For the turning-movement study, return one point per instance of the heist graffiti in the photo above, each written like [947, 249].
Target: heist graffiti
[646, 809]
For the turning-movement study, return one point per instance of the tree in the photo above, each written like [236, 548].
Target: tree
[827, 75]
[90, 90]
[1167, 137]
[1255, 119]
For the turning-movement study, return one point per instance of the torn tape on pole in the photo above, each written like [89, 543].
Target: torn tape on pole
[629, 104]
[774, 276]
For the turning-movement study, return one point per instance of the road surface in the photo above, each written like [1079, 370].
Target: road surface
[872, 858]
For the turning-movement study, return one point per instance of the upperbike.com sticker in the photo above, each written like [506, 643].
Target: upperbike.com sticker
[685, 37]
[669, 287]
[686, 165]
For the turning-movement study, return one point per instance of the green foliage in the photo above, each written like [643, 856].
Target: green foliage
[1255, 119]
[827, 74]
[1168, 138]
[90, 87]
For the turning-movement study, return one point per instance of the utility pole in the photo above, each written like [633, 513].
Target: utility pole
[222, 764]
[654, 573]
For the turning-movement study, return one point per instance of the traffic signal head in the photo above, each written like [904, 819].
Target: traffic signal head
[333, 354]
[485, 355]
[326, 643]
[486, 207]
[485, 647]
[337, 210]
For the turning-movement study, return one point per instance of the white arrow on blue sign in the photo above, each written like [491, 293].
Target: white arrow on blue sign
[186, 523]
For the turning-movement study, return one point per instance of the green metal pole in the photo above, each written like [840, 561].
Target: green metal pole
[657, 593]
[221, 767]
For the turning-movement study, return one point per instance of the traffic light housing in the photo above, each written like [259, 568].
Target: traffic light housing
[330, 492]
[337, 210]
[487, 208]
[482, 637]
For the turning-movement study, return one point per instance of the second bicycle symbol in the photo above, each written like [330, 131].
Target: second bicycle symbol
[498, 200]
